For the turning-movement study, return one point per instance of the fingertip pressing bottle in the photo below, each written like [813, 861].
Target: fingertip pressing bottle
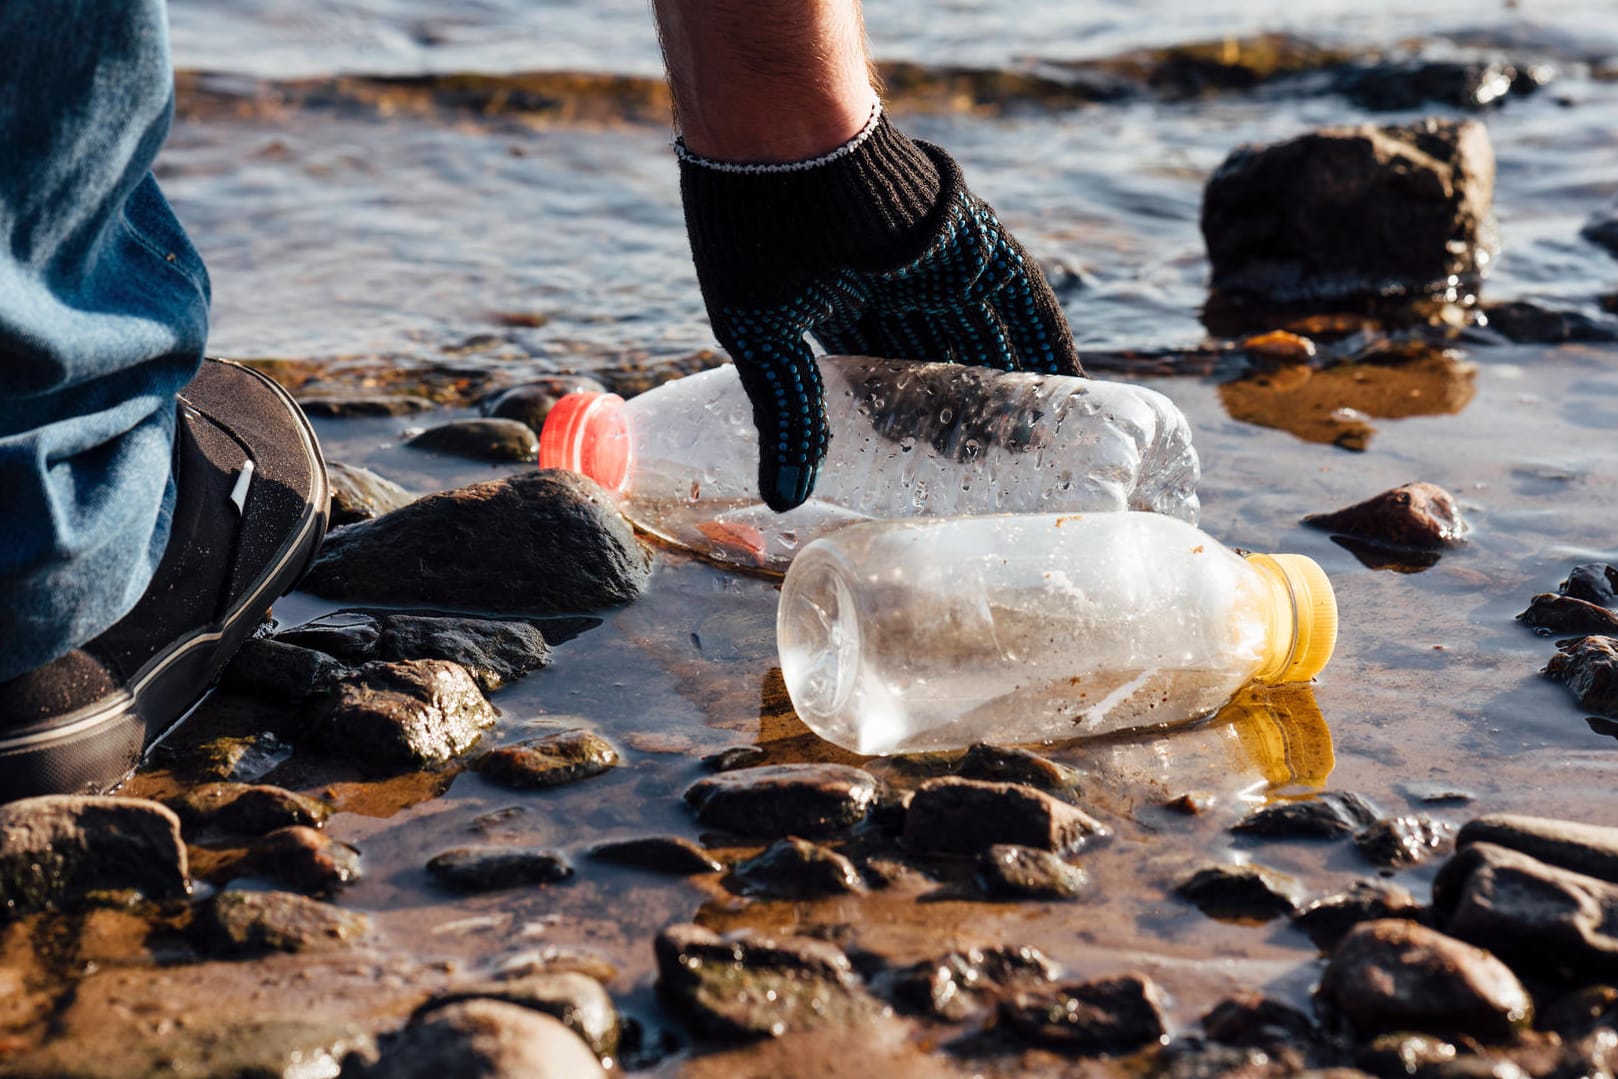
[903, 636]
[907, 440]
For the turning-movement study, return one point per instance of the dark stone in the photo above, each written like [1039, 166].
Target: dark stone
[483, 440]
[1434, 793]
[578, 1000]
[248, 923]
[1108, 1015]
[1417, 516]
[56, 849]
[1025, 873]
[246, 809]
[495, 652]
[277, 671]
[358, 494]
[1391, 1056]
[1591, 849]
[1593, 582]
[1399, 83]
[1526, 323]
[304, 859]
[1328, 920]
[1253, 1020]
[1602, 230]
[1542, 920]
[548, 761]
[542, 542]
[1241, 892]
[410, 714]
[1353, 212]
[1001, 764]
[486, 869]
[796, 869]
[959, 984]
[1403, 841]
[1564, 614]
[755, 988]
[1391, 976]
[1582, 1013]
[659, 853]
[784, 799]
[966, 816]
[728, 760]
[485, 1039]
[342, 407]
[1329, 815]
[529, 403]
[238, 760]
[350, 636]
[1589, 668]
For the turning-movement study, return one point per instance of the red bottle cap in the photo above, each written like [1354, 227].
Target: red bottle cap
[589, 433]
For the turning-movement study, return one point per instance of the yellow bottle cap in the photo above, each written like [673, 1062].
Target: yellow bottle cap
[1305, 629]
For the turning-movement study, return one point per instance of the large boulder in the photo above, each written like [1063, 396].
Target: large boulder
[57, 849]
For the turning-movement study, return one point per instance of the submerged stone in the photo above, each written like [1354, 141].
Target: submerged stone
[548, 761]
[578, 1000]
[246, 809]
[555, 540]
[1328, 815]
[1107, 1015]
[796, 869]
[1396, 975]
[1014, 872]
[485, 1039]
[58, 848]
[1417, 516]
[250, 923]
[660, 853]
[758, 988]
[784, 799]
[1589, 668]
[1328, 920]
[413, 713]
[487, 869]
[358, 494]
[1241, 892]
[728, 760]
[965, 816]
[483, 440]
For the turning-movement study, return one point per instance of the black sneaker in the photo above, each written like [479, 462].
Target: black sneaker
[249, 516]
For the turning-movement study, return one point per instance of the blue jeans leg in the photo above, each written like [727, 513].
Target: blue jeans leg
[103, 318]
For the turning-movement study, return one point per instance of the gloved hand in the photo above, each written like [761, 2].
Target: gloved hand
[876, 249]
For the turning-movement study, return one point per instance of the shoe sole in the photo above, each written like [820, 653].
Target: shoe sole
[98, 747]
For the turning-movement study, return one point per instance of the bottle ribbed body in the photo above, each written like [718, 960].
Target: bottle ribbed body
[908, 636]
[907, 440]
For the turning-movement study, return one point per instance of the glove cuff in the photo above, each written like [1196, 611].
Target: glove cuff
[760, 233]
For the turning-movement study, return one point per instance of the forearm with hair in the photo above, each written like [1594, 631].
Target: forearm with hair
[766, 81]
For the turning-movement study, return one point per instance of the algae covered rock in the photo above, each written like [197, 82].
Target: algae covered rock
[57, 849]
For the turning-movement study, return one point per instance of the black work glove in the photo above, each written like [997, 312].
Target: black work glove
[876, 249]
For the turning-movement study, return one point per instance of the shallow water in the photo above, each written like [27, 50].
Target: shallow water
[483, 250]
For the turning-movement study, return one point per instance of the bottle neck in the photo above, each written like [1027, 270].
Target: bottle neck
[1281, 637]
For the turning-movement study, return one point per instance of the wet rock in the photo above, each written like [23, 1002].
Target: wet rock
[1190, 804]
[1399, 976]
[548, 761]
[1564, 614]
[246, 809]
[238, 1046]
[577, 1000]
[1589, 668]
[1602, 230]
[495, 652]
[728, 760]
[1528, 323]
[1398, 83]
[959, 984]
[796, 869]
[277, 671]
[343, 406]
[1592, 582]
[238, 760]
[1541, 919]
[304, 859]
[966, 816]
[1348, 212]
[1009, 765]
[486, 869]
[1417, 516]
[1251, 1019]
[1403, 841]
[1405, 1054]
[1108, 1015]
[482, 440]
[754, 988]
[56, 849]
[659, 853]
[1242, 892]
[414, 713]
[1435, 793]
[358, 494]
[1582, 1013]
[350, 636]
[1591, 849]
[251, 923]
[1328, 920]
[1329, 815]
[554, 540]
[485, 1039]
[529, 403]
[784, 799]
[1025, 873]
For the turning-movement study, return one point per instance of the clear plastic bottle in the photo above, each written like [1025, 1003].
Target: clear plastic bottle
[908, 440]
[900, 636]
